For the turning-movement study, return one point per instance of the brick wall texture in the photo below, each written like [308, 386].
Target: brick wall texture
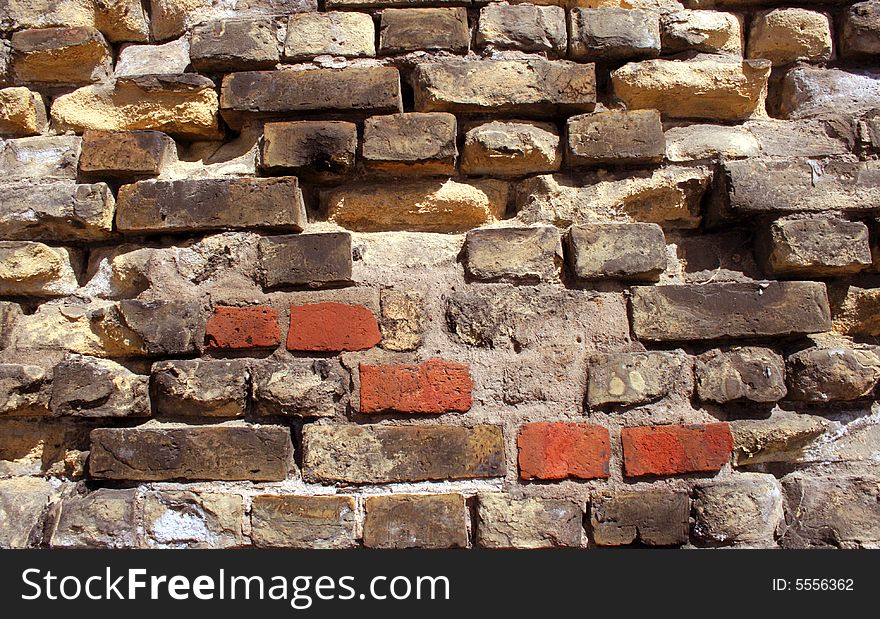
[439, 273]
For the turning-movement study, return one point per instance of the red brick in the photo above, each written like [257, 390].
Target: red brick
[332, 327]
[435, 386]
[672, 450]
[243, 327]
[561, 450]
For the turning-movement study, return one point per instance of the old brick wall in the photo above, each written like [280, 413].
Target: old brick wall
[439, 273]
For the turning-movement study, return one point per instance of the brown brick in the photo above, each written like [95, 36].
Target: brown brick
[313, 260]
[167, 453]
[614, 34]
[101, 519]
[320, 149]
[58, 211]
[89, 387]
[519, 255]
[817, 247]
[615, 137]
[61, 56]
[374, 90]
[673, 450]
[210, 204]
[416, 521]
[125, 154]
[523, 27]
[303, 521]
[200, 388]
[376, 454]
[654, 518]
[299, 387]
[638, 377]
[729, 310]
[408, 30]
[234, 45]
[411, 143]
[630, 252]
[534, 87]
[743, 373]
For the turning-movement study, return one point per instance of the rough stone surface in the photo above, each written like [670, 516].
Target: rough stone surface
[520, 255]
[309, 148]
[102, 519]
[22, 112]
[24, 390]
[614, 34]
[634, 252]
[729, 310]
[829, 374]
[523, 27]
[299, 388]
[406, 30]
[60, 56]
[781, 438]
[701, 31]
[536, 87]
[713, 88]
[635, 378]
[34, 269]
[615, 137]
[818, 247]
[503, 521]
[234, 45]
[303, 521]
[168, 58]
[193, 520]
[506, 148]
[745, 373]
[23, 503]
[128, 154]
[167, 453]
[784, 36]
[411, 143]
[860, 30]
[745, 510]
[200, 388]
[815, 92]
[183, 106]
[402, 321]
[336, 33]
[88, 387]
[653, 518]
[416, 521]
[313, 260]
[45, 157]
[382, 454]
[419, 206]
[57, 211]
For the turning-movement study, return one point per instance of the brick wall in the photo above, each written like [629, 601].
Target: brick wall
[439, 273]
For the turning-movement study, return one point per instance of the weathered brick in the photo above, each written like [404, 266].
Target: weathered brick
[411, 143]
[631, 252]
[169, 58]
[40, 157]
[373, 90]
[534, 87]
[33, 269]
[101, 519]
[376, 454]
[174, 452]
[653, 518]
[753, 187]
[193, 520]
[22, 112]
[718, 88]
[43, 447]
[234, 45]
[729, 310]
[172, 18]
[125, 154]
[403, 319]
[788, 35]
[24, 390]
[860, 29]
[507, 522]
[433, 205]
[334, 33]
[200, 388]
[332, 327]
[154, 328]
[859, 312]
[61, 56]
[210, 204]
[320, 149]
[299, 387]
[407, 30]
[183, 106]
[702, 31]
[435, 386]
[303, 521]
[744, 373]
[23, 503]
[809, 92]
[614, 34]
[832, 511]
[817, 247]
[313, 260]
[524, 27]
[502, 148]
[521, 255]
[416, 521]
[557, 450]
[831, 374]
[89, 387]
[243, 328]
[636, 377]
[57, 211]
[674, 450]
[745, 509]
[615, 137]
